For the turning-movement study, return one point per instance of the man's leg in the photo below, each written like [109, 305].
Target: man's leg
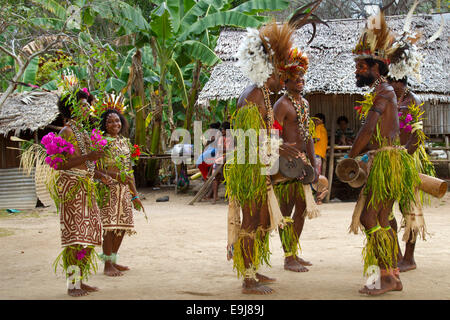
[264, 222]
[288, 235]
[250, 222]
[299, 222]
[380, 246]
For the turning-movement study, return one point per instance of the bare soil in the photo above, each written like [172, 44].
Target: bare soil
[181, 254]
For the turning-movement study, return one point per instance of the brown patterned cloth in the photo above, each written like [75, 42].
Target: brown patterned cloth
[79, 213]
[117, 214]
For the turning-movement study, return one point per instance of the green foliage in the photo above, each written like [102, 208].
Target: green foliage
[50, 66]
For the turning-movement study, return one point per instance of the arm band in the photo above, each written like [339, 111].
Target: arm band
[134, 198]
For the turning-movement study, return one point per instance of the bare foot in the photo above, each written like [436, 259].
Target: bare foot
[388, 283]
[120, 267]
[291, 264]
[110, 271]
[264, 279]
[405, 266]
[303, 262]
[88, 288]
[397, 278]
[251, 286]
[76, 292]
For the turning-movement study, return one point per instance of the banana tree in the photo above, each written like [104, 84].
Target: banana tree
[178, 32]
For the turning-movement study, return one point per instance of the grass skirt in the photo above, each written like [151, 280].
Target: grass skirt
[393, 176]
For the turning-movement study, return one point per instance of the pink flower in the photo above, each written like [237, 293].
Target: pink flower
[408, 118]
[81, 254]
[400, 114]
[401, 125]
[48, 160]
[408, 128]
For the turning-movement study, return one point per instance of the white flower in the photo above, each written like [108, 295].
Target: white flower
[252, 60]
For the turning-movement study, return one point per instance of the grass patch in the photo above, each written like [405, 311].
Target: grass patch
[6, 232]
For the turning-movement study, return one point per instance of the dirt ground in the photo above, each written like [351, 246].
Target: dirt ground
[181, 254]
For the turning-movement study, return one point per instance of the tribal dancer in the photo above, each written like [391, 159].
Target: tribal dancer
[392, 174]
[412, 136]
[291, 113]
[248, 243]
[115, 203]
[413, 140]
[74, 196]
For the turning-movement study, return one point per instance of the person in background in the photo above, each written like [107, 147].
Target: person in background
[344, 134]
[320, 148]
[320, 140]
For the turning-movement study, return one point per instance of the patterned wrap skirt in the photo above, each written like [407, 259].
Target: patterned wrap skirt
[79, 213]
[117, 213]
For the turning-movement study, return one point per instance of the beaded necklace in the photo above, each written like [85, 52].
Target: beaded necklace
[302, 110]
[269, 109]
[81, 143]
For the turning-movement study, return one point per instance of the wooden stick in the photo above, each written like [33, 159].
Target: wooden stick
[206, 185]
[331, 164]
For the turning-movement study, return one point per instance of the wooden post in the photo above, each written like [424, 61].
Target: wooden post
[333, 138]
[448, 153]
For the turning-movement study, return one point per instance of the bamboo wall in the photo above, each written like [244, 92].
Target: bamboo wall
[436, 122]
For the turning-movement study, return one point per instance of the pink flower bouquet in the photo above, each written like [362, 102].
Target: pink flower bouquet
[55, 147]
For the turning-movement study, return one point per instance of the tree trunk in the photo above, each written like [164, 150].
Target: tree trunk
[193, 95]
[136, 79]
[153, 165]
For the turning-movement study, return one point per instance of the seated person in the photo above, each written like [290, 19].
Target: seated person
[344, 134]
[205, 160]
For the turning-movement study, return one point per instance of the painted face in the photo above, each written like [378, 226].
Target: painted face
[363, 74]
[113, 124]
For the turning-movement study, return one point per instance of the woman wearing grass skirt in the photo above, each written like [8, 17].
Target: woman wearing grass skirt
[117, 198]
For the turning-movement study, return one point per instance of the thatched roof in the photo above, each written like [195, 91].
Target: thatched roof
[332, 66]
[28, 111]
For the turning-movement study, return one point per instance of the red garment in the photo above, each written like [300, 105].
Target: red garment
[204, 168]
[277, 125]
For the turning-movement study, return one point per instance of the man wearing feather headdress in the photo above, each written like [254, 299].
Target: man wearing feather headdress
[392, 175]
[407, 62]
[291, 113]
[259, 55]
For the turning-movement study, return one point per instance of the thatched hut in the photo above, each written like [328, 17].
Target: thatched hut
[330, 83]
[28, 116]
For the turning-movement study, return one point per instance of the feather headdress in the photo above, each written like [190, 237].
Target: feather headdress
[407, 59]
[376, 40]
[69, 79]
[296, 64]
[110, 101]
[261, 51]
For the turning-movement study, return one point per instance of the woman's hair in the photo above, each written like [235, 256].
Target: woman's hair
[123, 121]
[65, 106]
[321, 116]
